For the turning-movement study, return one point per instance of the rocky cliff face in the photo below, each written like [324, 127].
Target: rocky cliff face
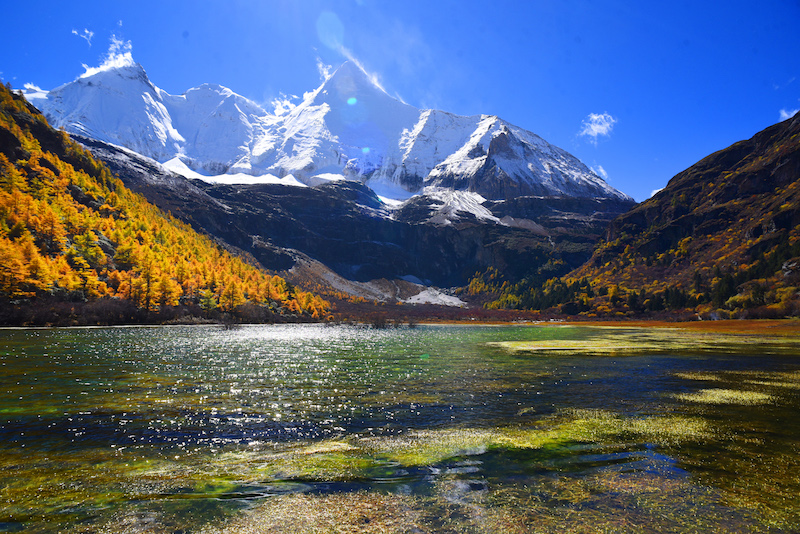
[347, 228]
[735, 187]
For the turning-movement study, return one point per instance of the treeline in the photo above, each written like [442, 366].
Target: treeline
[766, 287]
[70, 231]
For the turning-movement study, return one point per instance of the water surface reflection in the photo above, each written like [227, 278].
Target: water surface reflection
[464, 428]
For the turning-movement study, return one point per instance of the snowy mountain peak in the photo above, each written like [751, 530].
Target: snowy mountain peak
[210, 89]
[116, 103]
[347, 84]
[358, 109]
[119, 58]
[348, 128]
[130, 71]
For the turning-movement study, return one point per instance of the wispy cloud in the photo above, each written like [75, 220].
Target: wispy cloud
[597, 125]
[600, 171]
[331, 33]
[401, 51]
[324, 69]
[118, 55]
[330, 30]
[371, 75]
[779, 86]
[86, 34]
[788, 113]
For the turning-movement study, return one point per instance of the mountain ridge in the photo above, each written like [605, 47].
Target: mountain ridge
[449, 195]
[347, 128]
[440, 238]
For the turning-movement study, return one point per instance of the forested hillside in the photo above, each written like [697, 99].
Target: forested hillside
[75, 241]
[722, 239]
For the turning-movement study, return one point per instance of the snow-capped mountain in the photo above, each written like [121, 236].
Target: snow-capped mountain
[118, 105]
[210, 127]
[348, 128]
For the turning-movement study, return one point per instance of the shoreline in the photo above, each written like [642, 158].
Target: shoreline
[790, 327]
[749, 327]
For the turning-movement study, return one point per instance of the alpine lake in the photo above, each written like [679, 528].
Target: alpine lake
[438, 428]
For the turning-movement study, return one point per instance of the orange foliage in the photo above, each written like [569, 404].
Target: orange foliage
[67, 229]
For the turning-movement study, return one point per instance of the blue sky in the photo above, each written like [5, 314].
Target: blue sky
[641, 90]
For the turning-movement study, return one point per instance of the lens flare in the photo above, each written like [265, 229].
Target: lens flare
[352, 101]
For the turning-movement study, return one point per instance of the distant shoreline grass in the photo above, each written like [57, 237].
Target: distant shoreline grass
[771, 327]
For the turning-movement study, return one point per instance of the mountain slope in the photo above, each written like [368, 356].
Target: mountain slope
[381, 190]
[722, 238]
[72, 234]
[348, 127]
[435, 238]
[727, 211]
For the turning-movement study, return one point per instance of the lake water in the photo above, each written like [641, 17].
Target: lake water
[308, 428]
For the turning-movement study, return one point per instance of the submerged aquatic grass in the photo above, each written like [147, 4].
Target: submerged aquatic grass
[772, 384]
[788, 380]
[361, 511]
[621, 340]
[358, 456]
[464, 499]
[435, 429]
[726, 396]
[696, 375]
[651, 500]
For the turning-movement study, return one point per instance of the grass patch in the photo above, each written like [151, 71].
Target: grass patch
[708, 377]
[726, 396]
[430, 447]
[361, 511]
[627, 340]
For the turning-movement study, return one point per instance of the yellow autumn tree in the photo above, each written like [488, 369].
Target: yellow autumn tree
[13, 269]
[68, 225]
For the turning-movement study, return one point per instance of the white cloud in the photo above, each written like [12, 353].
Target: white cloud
[654, 192]
[597, 124]
[788, 113]
[778, 86]
[600, 171]
[118, 55]
[86, 34]
[284, 103]
[323, 69]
